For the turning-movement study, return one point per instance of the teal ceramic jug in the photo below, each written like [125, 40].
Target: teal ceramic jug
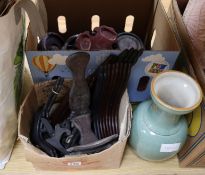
[159, 128]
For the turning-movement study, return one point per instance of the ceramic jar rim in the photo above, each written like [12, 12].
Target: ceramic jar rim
[169, 106]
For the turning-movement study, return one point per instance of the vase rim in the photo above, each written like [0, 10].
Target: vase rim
[161, 102]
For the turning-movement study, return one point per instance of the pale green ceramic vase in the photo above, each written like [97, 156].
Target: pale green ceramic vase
[159, 128]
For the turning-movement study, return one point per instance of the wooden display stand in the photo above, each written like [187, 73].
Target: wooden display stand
[131, 164]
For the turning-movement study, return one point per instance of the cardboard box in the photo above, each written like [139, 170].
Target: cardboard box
[150, 25]
[109, 158]
[193, 152]
[186, 43]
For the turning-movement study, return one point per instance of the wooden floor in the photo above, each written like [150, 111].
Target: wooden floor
[131, 164]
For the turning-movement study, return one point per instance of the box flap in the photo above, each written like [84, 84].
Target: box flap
[27, 109]
[186, 43]
[161, 36]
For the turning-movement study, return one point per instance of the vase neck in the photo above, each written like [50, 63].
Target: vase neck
[162, 122]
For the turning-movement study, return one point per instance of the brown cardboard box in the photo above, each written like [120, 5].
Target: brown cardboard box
[150, 20]
[151, 24]
[186, 43]
[152, 27]
[109, 158]
[193, 152]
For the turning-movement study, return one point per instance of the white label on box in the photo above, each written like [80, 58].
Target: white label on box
[167, 148]
[74, 163]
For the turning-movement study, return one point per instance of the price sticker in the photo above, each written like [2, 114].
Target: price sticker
[167, 148]
[74, 164]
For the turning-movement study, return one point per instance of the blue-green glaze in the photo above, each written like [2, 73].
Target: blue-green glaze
[152, 127]
[168, 109]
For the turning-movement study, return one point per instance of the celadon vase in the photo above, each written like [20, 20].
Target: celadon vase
[159, 128]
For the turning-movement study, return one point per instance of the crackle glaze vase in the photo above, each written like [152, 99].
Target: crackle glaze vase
[159, 128]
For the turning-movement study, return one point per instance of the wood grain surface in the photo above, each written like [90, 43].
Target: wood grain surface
[131, 164]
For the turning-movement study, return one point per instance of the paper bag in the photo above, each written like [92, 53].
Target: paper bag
[11, 68]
